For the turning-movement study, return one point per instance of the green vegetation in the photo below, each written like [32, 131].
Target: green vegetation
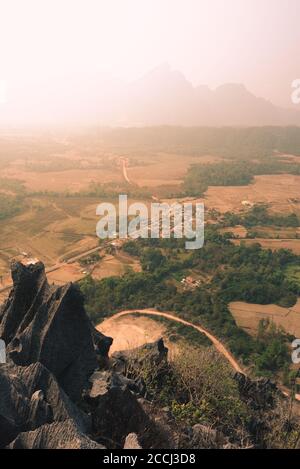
[237, 273]
[197, 387]
[11, 197]
[258, 215]
[232, 143]
[10, 206]
[152, 259]
[109, 190]
[272, 352]
[132, 248]
[14, 186]
[90, 260]
[199, 177]
[232, 173]
[293, 273]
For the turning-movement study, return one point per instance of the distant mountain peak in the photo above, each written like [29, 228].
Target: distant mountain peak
[163, 96]
[164, 73]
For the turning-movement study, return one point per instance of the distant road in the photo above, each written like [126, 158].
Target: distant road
[124, 162]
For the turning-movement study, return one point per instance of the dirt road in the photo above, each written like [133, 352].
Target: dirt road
[124, 162]
[216, 342]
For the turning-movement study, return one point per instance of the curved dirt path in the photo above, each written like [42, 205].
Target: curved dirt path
[124, 170]
[216, 342]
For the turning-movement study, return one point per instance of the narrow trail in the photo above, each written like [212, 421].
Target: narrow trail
[124, 170]
[216, 342]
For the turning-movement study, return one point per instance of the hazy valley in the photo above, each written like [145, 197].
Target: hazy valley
[241, 289]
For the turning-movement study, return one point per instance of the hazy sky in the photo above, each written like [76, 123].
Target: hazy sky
[256, 42]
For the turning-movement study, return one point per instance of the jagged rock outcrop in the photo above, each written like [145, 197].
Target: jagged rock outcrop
[155, 351]
[116, 411]
[42, 386]
[259, 394]
[55, 436]
[49, 325]
[56, 389]
[52, 350]
[30, 398]
[153, 354]
[101, 344]
[14, 407]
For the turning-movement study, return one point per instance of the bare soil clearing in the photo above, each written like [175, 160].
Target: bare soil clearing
[115, 265]
[239, 231]
[215, 341]
[73, 180]
[165, 168]
[67, 273]
[129, 332]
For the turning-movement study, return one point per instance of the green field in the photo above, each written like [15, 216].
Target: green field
[293, 273]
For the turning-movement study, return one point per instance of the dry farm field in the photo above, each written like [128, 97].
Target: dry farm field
[249, 315]
[278, 191]
[274, 244]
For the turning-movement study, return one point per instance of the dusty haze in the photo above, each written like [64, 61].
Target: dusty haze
[83, 61]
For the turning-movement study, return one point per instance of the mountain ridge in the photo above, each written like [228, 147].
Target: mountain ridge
[162, 96]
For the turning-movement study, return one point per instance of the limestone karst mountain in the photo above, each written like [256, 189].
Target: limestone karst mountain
[57, 390]
[166, 97]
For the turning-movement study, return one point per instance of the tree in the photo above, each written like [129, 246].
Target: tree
[152, 259]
